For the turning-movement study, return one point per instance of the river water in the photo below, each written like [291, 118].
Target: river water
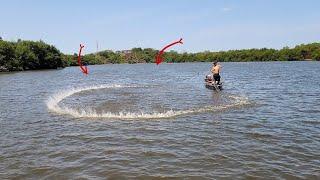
[149, 121]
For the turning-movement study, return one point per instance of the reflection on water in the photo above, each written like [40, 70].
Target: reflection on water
[143, 121]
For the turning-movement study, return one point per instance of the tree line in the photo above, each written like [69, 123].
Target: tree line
[27, 55]
[138, 55]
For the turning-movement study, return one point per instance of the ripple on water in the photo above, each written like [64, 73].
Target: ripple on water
[275, 136]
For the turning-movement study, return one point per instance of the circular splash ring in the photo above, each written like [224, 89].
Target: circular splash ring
[54, 100]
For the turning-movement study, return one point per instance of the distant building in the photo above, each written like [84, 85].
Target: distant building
[126, 51]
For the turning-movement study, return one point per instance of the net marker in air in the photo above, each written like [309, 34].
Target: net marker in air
[84, 69]
[159, 58]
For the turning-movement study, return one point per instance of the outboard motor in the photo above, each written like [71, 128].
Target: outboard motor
[210, 83]
[209, 78]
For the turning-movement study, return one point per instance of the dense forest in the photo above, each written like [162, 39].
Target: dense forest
[28, 55]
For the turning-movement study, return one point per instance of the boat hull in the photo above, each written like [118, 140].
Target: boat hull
[214, 87]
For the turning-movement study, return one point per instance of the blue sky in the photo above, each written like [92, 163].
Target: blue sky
[123, 24]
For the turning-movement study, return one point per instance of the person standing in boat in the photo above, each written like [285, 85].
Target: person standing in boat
[216, 68]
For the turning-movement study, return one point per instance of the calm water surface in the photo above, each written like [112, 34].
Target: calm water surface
[144, 121]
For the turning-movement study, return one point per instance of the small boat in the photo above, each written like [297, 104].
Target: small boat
[211, 84]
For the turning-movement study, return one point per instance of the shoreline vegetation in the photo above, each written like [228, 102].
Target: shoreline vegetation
[33, 55]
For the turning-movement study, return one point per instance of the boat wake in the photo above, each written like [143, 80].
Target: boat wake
[54, 105]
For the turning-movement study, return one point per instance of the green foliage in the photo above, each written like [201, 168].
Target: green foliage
[70, 60]
[25, 55]
[139, 55]
[7, 55]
